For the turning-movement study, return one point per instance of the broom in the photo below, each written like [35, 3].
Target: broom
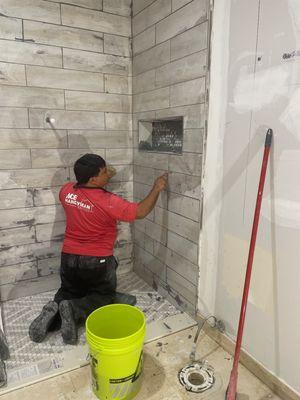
[232, 386]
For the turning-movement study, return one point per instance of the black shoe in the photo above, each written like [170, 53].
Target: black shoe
[68, 324]
[124, 298]
[39, 327]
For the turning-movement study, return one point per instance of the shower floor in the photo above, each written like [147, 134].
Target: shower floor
[31, 361]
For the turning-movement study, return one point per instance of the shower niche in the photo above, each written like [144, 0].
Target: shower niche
[161, 135]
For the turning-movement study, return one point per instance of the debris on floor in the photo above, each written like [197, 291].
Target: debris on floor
[160, 380]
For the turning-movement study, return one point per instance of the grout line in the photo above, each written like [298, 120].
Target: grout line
[60, 68]
[171, 38]
[64, 26]
[60, 13]
[136, 243]
[42, 87]
[69, 26]
[68, 48]
[143, 8]
[171, 62]
[190, 1]
[62, 58]
[169, 108]
[65, 103]
[203, 19]
[23, 30]
[30, 153]
[104, 83]
[87, 91]
[108, 131]
[37, 43]
[98, 11]
[176, 213]
[75, 5]
[28, 116]
[171, 192]
[68, 110]
[25, 70]
[69, 69]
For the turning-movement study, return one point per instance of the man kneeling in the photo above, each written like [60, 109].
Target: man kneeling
[88, 267]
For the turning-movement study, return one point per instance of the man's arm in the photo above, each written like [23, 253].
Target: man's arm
[146, 206]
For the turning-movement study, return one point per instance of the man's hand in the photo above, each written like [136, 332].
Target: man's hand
[161, 182]
[146, 206]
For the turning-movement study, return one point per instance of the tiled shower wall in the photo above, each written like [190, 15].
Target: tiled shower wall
[71, 61]
[170, 59]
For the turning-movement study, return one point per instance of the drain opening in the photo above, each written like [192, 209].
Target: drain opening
[197, 377]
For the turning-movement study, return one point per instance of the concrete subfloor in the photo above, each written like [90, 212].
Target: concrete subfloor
[163, 359]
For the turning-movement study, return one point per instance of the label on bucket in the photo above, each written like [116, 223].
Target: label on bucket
[123, 387]
[94, 365]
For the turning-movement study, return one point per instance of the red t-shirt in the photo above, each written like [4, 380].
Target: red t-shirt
[92, 216]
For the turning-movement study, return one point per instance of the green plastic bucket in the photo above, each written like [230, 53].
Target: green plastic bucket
[115, 335]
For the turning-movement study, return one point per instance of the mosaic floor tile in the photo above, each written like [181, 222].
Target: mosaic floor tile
[18, 314]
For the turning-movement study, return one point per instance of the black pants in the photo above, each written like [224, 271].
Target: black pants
[89, 282]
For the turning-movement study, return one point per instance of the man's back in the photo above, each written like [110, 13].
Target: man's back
[92, 215]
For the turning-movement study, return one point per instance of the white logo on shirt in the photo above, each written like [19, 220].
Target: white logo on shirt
[71, 199]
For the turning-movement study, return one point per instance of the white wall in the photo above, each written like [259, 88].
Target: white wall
[254, 87]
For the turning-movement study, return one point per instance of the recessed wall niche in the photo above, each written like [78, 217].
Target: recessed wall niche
[161, 135]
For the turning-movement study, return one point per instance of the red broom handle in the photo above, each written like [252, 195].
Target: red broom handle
[232, 387]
